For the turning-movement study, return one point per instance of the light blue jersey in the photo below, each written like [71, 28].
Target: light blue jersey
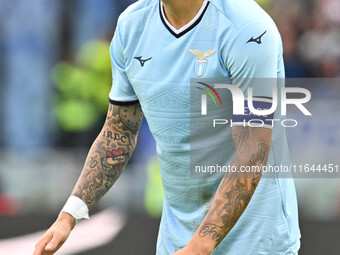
[153, 62]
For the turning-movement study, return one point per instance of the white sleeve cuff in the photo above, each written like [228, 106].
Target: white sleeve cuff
[77, 208]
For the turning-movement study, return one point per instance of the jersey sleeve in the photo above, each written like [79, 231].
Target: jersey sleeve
[252, 61]
[253, 54]
[254, 51]
[122, 91]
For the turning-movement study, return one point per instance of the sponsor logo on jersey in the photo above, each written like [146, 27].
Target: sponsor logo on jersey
[257, 40]
[142, 61]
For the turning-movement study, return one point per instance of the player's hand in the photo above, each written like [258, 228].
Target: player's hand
[55, 236]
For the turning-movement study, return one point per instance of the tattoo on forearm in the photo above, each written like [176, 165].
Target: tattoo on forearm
[236, 188]
[259, 159]
[109, 153]
[115, 159]
[236, 199]
[114, 136]
[240, 139]
[211, 230]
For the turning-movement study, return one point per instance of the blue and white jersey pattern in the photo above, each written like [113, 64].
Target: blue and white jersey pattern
[153, 62]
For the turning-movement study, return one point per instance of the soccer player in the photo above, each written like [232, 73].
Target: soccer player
[157, 47]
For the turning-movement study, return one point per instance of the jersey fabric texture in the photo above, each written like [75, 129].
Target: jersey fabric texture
[151, 62]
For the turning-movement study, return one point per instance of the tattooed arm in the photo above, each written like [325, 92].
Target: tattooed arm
[106, 159]
[234, 192]
[109, 153]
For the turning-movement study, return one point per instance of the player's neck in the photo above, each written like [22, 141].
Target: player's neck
[181, 12]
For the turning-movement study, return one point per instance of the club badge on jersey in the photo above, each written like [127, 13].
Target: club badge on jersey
[201, 63]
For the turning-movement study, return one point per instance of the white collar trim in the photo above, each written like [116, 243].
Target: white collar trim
[178, 31]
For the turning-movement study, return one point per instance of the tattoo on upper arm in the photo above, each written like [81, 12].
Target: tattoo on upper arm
[109, 153]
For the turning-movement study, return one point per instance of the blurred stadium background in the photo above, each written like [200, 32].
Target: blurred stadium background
[54, 81]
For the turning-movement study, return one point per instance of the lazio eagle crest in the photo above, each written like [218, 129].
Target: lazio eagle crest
[201, 63]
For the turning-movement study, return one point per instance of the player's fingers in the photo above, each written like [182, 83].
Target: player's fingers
[56, 242]
[39, 249]
[40, 246]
